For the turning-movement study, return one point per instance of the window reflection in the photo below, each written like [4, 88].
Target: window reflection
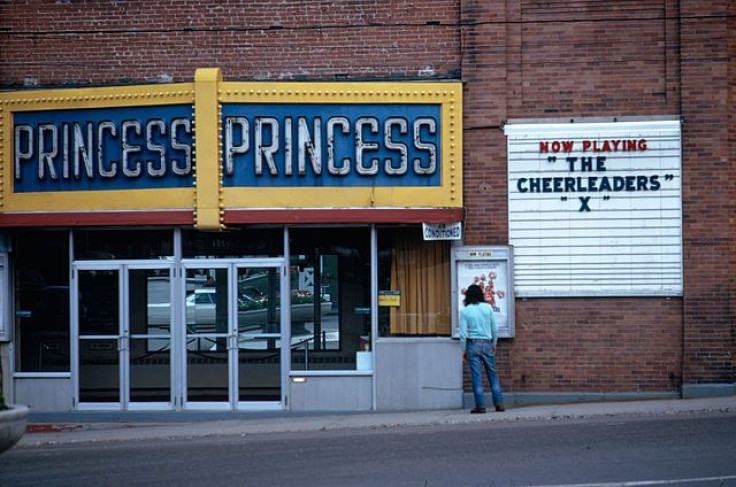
[253, 242]
[259, 343]
[150, 344]
[150, 296]
[206, 334]
[123, 244]
[258, 300]
[330, 297]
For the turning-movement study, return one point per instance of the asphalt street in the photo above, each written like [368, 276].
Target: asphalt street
[666, 442]
[678, 448]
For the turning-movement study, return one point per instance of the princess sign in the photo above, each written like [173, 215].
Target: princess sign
[215, 152]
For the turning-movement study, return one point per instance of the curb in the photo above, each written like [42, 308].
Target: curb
[40, 434]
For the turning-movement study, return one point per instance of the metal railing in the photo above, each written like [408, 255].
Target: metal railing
[305, 342]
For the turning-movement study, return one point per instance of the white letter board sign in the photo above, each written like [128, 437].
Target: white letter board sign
[595, 209]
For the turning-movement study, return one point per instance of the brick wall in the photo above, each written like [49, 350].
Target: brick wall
[731, 188]
[51, 43]
[612, 345]
[593, 345]
[535, 59]
[709, 207]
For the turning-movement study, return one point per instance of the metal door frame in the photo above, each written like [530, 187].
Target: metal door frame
[123, 336]
[232, 265]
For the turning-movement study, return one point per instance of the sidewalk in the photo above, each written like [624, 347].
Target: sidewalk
[77, 427]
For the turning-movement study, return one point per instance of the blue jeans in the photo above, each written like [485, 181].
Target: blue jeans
[480, 355]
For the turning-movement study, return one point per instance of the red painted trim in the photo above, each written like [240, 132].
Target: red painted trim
[344, 215]
[279, 216]
[93, 218]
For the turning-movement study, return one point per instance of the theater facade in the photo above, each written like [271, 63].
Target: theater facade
[252, 206]
[225, 245]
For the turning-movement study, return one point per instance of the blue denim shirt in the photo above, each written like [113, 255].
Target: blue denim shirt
[478, 321]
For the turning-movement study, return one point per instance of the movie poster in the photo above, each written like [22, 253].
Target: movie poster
[492, 277]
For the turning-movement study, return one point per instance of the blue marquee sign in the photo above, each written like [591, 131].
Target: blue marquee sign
[306, 145]
[103, 149]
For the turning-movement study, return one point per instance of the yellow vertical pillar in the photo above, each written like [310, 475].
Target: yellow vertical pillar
[208, 152]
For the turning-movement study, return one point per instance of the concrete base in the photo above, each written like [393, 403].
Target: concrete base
[12, 426]
[330, 393]
[689, 391]
[693, 391]
[45, 393]
[418, 373]
[540, 398]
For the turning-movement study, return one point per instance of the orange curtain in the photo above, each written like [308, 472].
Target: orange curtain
[421, 272]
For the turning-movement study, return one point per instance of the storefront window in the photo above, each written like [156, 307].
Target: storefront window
[41, 263]
[123, 244]
[414, 285]
[330, 298]
[252, 242]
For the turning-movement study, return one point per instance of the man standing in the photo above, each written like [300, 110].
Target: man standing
[478, 337]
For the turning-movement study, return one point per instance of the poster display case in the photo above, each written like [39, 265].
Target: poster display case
[492, 269]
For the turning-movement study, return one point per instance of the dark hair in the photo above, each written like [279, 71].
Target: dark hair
[474, 295]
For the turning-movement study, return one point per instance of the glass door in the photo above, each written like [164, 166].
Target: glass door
[122, 328]
[233, 333]
[208, 335]
[149, 295]
[98, 351]
[259, 328]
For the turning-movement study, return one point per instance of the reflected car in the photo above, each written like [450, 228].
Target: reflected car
[251, 293]
[201, 310]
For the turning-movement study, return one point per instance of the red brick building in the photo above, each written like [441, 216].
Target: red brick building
[519, 62]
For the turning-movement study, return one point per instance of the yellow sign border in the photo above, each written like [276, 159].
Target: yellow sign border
[447, 95]
[81, 98]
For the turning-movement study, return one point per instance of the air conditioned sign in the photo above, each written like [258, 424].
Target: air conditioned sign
[442, 231]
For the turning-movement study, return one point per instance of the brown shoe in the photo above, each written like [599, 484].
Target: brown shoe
[500, 408]
[478, 410]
